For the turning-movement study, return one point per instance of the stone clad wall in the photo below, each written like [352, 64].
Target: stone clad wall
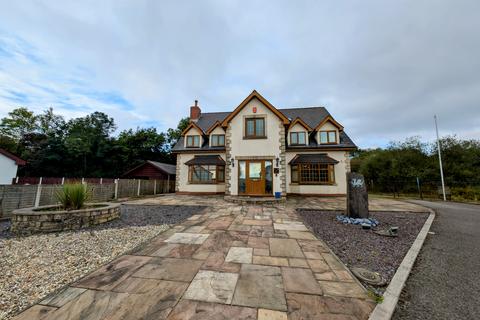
[29, 221]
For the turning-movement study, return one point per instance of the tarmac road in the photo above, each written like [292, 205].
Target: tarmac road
[445, 280]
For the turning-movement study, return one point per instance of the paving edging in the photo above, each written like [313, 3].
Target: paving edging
[384, 310]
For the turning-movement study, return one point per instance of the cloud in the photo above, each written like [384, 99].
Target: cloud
[382, 69]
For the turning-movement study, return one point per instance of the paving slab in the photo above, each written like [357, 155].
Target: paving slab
[239, 255]
[170, 269]
[342, 289]
[216, 262]
[265, 314]
[300, 280]
[270, 261]
[258, 242]
[290, 226]
[63, 297]
[260, 287]
[155, 303]
[301, 235]
[36, 312]
[197, 310]
[285, 248]
[212, 286]
[298, 263]
[187, 238]
[90, 305]
[107, 277]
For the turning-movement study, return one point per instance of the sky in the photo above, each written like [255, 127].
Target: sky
[382, 68]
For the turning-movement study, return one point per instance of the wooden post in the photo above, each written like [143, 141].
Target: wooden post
[138, 189]
[101, 180]
[116, 188]
[39, 193]
[168, 183]
[63, 181]
[155, 187]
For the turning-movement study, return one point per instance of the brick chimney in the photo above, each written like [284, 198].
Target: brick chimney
[195, 112]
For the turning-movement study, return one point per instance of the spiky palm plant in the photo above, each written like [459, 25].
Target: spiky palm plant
[73, 196]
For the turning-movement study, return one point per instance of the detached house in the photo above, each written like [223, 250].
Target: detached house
[259, 150]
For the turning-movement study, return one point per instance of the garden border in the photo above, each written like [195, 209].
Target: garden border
[385, 310]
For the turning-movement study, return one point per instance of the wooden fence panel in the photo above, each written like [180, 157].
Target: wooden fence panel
[22, 196]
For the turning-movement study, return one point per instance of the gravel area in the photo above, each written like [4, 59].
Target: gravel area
[34, 266]
[357, 247]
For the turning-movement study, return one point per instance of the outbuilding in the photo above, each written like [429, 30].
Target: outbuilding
[152, 170]
[8, 166]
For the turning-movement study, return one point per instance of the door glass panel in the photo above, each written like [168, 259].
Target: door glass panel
[268, 177]
[255, 170]
[241, 176]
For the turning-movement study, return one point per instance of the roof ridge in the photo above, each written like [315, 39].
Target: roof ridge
[294, 108]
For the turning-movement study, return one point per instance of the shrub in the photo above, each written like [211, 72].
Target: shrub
[73, 196]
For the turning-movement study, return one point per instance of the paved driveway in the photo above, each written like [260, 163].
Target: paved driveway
[444, 283]
[229, 262]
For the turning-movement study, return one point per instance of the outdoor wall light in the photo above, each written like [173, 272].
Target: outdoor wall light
[232, 161]
[277, 160]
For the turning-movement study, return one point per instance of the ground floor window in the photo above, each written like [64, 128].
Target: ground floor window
[313, 173]
[206, 173]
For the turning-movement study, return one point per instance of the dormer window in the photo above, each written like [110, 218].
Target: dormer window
[193, 141]
[217, 140]
[328, 137]
[298, 138]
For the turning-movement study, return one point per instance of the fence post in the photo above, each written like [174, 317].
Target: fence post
[101, 180]
[83, 180]
[63, 181]
[155, 187]
[16, 180]
[116, 188]
[138, 188]
[39, 192]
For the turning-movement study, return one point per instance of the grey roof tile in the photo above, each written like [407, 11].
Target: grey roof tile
[168, 168]
[310, 115]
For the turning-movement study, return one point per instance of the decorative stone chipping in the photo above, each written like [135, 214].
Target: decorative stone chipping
[283, 162]
[228, 167]
[30, 220]
[177, 174]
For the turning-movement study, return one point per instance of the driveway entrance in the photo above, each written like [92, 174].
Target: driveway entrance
[228, 262]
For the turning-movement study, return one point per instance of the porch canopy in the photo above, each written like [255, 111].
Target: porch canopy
[206, 159]
[321, 158]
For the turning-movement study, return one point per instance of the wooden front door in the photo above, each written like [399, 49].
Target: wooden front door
[255, 177]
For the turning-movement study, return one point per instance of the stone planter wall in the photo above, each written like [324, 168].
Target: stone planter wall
[30, 220]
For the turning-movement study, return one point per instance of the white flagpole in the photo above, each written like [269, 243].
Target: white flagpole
[440, 159]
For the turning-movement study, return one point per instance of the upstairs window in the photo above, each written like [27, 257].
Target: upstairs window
[254, 128]
[193, 141]
[298, 138]
[328, 137]
[217, 140]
